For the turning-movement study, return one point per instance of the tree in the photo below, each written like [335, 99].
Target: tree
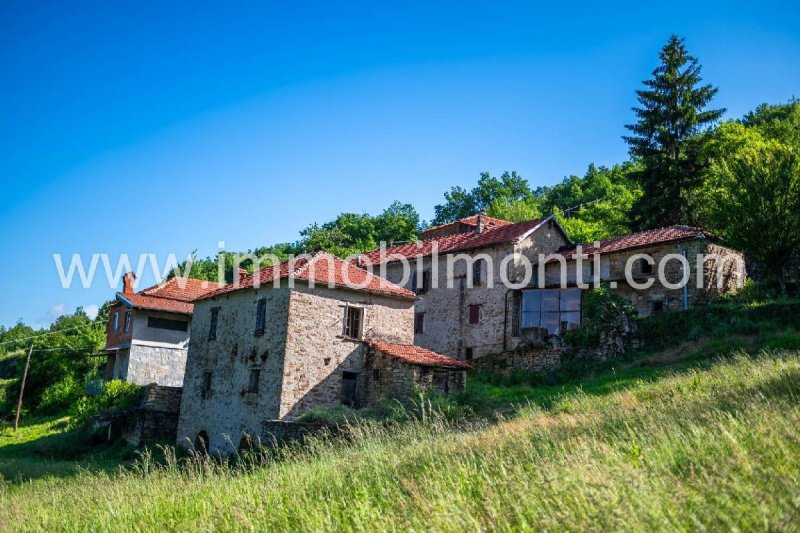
[668, 137]
[753, 185]
[490, 194]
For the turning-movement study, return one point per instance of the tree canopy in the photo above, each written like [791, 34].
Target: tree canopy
[668, 139]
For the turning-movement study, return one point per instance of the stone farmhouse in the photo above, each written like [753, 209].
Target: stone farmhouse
[468, 312]
[719, 270]
[148, 331]
[318, 331]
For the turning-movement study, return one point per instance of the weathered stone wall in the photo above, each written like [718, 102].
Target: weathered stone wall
[317, 353]
[155, 364]
[388, 378]
[613, 271]
[446, 308]
[529, 358]
[154, 418]
[229, 410]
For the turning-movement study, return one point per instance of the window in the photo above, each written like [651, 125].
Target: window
[235, 350]
[352, 322]
[591, 269]
[419, 323]
[421, 284]
[205, 388]
[255, 376]
[128, 315]
[474, 313]
[116, 321]
[376, 374]
[658, 306]
[477, 272]
[555, 310]
[167, 323]
[212, 328]
[261, 316]
[468, 354]
[645, 267]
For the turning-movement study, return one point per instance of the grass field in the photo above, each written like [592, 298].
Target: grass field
[711, 446]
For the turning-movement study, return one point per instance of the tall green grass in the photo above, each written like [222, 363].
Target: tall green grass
[712, 448]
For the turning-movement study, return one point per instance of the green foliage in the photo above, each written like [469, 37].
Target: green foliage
[753, 186]
[61, 395]
[669, 136]
[508, 195]
[603, 309]
[114, 394]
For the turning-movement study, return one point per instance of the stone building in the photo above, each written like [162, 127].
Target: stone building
[314, 332]
[490, 302]
[467, 312]
[148, 331]
[709, 269]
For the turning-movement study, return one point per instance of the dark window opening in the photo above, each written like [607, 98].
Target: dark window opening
[421, 284]
[419, 323]
[352, 322]
[235, 350]
[376, 374]
[474, 313]
[116, 321]
[468, 354]
[658, 307]
[261, 316]
[645, 267]
[255, 376]
[212, 329]
[167, 323]
[128, 315]
[350, 389]
[477, 273]
[440, 382]
[205, 390]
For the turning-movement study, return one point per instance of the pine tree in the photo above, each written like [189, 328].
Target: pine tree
[668, 138]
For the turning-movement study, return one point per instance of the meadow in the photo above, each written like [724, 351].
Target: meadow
[713, 446]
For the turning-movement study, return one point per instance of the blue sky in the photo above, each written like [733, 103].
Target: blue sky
[165, 127]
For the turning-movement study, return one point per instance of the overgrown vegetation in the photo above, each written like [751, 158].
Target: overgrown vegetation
[113, 395]
[711, 448]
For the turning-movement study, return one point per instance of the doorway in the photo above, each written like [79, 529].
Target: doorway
[350, 389]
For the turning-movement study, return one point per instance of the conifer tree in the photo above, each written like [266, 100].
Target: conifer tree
[668, 138]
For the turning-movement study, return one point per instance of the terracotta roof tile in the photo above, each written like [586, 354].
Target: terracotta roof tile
[489, 222]
[642, 239]
[417, 355]
[457, 242]
[324, 269]
[174, 295]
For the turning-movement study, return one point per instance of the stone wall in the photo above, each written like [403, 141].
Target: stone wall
[317, 354]
[228, 409]
[528, 358]
[446, 308]
[300, 358]
[154, 418]
[155, 364]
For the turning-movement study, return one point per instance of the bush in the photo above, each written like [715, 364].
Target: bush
[603, 310]
[114, 395]
[60, 395]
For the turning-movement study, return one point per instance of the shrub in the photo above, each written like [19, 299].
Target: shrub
[603, 310]
[60, 395]
[114, 395]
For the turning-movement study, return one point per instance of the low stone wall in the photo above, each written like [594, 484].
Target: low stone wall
[530, 358]
[155, 418]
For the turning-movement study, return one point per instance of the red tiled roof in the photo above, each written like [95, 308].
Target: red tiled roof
[457, 242]
[417, 355]
[174, 295]
[489, 222]
[324, 269]
[642, 239]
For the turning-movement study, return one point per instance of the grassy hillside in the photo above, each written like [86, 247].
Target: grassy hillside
[714, 446]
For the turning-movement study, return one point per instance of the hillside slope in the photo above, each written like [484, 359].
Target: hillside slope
[715, 447]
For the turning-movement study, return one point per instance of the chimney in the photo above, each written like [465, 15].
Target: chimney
[127, 283]
[479, 226]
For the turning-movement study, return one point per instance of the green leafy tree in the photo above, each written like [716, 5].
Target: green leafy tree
[668, 137]
[753, 187]
[508, 193]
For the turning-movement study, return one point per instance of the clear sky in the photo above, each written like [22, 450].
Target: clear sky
[161, 127]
